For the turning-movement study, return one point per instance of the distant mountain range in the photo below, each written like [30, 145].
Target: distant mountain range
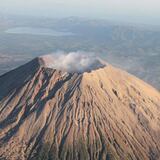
[132, 47]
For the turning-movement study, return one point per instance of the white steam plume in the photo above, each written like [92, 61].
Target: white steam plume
[73, 62]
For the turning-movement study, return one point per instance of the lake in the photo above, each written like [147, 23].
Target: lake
[38, 31]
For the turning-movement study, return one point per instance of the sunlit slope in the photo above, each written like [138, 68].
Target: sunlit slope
[102, 114]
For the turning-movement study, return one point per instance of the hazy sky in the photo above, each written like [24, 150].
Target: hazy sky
[130, 10]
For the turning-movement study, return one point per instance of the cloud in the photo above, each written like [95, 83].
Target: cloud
[78, 62]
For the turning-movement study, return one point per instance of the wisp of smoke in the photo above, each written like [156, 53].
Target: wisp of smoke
[74, 61]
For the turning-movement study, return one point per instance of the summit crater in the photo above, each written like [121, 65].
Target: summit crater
[73, 62]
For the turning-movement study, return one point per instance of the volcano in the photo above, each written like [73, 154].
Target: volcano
[100, 113]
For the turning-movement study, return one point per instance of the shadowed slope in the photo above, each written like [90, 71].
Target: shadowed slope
[103, 114]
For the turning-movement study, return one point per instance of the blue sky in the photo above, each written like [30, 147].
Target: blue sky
[142, 11]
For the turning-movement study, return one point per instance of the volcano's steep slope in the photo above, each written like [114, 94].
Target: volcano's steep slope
[103, 114]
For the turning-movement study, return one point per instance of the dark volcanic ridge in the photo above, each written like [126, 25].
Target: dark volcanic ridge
[59, 114]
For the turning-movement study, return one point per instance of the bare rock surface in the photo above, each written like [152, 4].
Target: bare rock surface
[102, 114]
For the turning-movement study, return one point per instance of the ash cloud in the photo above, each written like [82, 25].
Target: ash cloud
[74, 61]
